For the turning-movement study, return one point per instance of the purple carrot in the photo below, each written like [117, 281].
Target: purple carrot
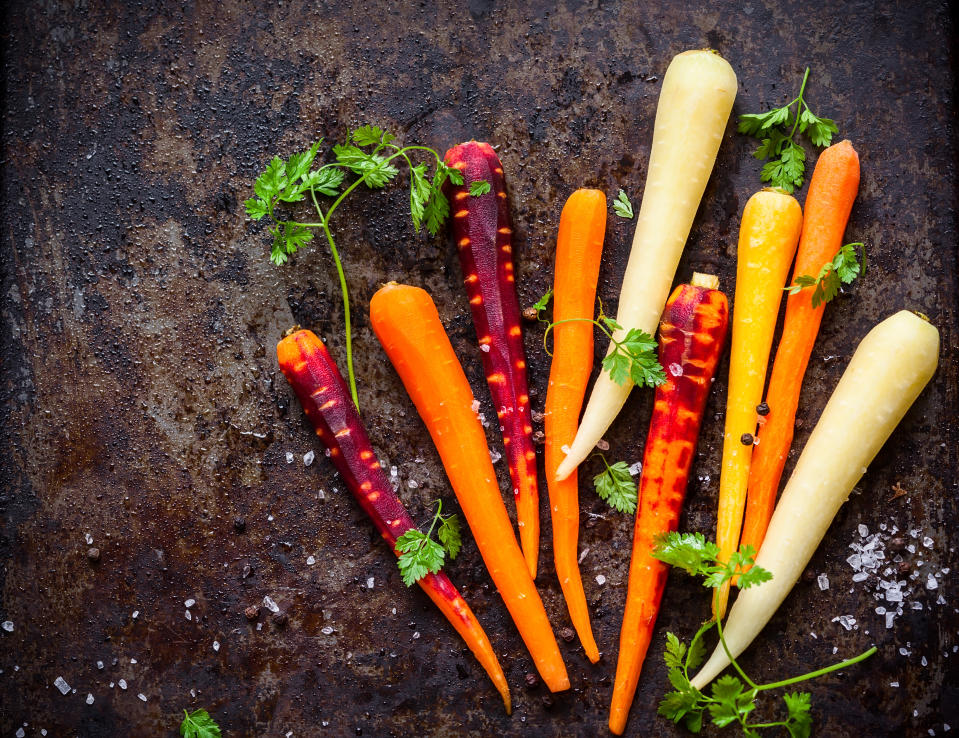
[318, 384]
[481, 227]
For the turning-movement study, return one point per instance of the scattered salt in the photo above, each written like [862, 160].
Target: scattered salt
[370, 581]
[927, 542]
[308, 458]
[600, 579]
[412, 484]
[860, 576]
[602, 444]
[133, 661]
[326, 630]
[216, 645]
[188, 615]
[122, 683]
[269, 518]
[142, 697]
[289, 457]
[189, 603]
[310, 561]
[823, 581]
[88, 538]
[7, 625]
[893, 684]
[136, 614]
[924, 661]
[99, 664]
[484, 347]
[582, 555]
[495, 456]
[61, 684]
[416, 635]
[931, 582]
[20, 733]
[270, 605]
[636, 468]
[475, 406]
[564, 448]
[863, 530]
[903, 651]
[846, 621]
[676, 369]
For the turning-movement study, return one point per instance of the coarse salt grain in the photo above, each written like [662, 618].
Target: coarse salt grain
[188, 615]
[600, 579]
[475, 406]
[863, 530]
[89, 699]
[189, 603]
[893, 684]
[308, 458]
[20, 733]
[931, 582]
[823, 581]
[310, 561]
[142, 697]
[216, 645]
[61, 684]
[133, 661]
[412, 484]
[136, 614]
[122, 683]
[270, 605]
[7, 625]
[370, 581]
[495, 456]
[636, 468]
[326, 630]
[927, 542]
[416, 635]
[484, 347]
[289, 457]
[99, 664]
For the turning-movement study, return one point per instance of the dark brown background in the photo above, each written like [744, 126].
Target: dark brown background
[141, 401]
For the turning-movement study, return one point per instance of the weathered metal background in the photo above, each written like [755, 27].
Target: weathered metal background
[141, 403]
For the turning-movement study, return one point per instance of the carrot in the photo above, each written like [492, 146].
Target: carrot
[405, 320]
[768, 236]
[483, 233]
[831, 194]
[694, 104]
[691, 338]
[891, 366]
[579, 246]
[327, 402]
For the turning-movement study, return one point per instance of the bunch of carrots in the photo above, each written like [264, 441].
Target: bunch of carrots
[698, 91]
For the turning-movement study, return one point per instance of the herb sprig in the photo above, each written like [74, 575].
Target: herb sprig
[420, 554]
[732, 699]
[776, 129]
[370, 153]
[199, 724]
[633, 357]
[842, 269]
[622, 206]
[615, 485]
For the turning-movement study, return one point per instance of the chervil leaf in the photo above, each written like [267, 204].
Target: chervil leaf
[615, 485]
[371, 135]
[255, 208]
[299, 164]
[633, 358]
[479, 187]
[420, 190]
[819, 130]
[697, 647]
[199, 724]
[449, 535]
[326, 181]
[618, 365]
[756, 124]
[269, 184]
[689, 551]
[675, 652]
[540, 305]
[771, 146]
[799, 722]
[372, 167]
[622, 206]
[455, 175]
[419, 556]
[611, 324]
[843, 268]
[845, 263]
[787, 171]
[437, 210]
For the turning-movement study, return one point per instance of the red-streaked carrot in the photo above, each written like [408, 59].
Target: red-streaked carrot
[832, 191]
[317, 382]
[579, 246]
[483, 234]
[768, 236]
[407, 324]
[691, 338]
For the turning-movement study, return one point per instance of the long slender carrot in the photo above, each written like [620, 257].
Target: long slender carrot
[483, 232]
[832, 191]
[407, 324]
[579, 246]
[768, 236]
[691, 338]
[318, 384]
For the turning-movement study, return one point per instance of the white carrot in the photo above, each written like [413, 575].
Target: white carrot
[694, 105]
[891, 366]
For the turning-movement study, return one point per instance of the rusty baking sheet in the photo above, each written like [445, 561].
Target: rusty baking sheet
[144, 416]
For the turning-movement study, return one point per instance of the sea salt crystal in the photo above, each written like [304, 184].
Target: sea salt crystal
[20, 733]
[122, 683]
[564, 448]
[880, 610]
[893, 684]
[495, 456]
[216, 645]
[904, 651]
[89, 699]
[602, 444]
[890, 617]
[416, 635]
[269, 518]
[475, 406]
[326, 630]
[927, 542]
[308, 458]
[142, 697]
[636, 468]
[99, 664]
[484, 347]
[135, 614]
[863, 530]
[61, 684]
[412, 484]
[133, 661]
[289, 457]
[188, 615]
[860, 576]
[823, 581]
[582, 555]
[600, 579]
[911, 549]
[941, 600]
[855, 561]
[931, 582]
[370, 581]
[676, 369]
[189, 603]
[88, 538]
[270, 605]
[7, 625]
[924, 661]
[846, 621]
[916, 605]
[310, 561]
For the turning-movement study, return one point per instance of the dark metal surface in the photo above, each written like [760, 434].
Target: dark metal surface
[141, 403]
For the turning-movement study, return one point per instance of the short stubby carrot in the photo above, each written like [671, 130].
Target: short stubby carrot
[691, 339]
[317, 382]
[579, 246]
[408, 326]
[483, 234]
[832, 192]
[768, 236]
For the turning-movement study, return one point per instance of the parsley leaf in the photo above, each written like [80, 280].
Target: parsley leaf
[688, 551]
[479, 187]
[371, 135]
[374, 168]
[255, 208]
[540, 305]
[633, 358]
[420, 554]
[449, 535]
[438, 207]
[199, 724]
[843, 268]
[615, 485]
[622, 206]
[777, 128]
[799, 722]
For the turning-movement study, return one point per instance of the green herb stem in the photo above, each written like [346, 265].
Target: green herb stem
[819, 672]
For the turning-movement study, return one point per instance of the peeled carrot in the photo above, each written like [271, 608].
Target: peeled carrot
[483, 233]
[318, 384]
[768, 236]
[832, 191]
[405, 320]
[579, 246]
[691, 338]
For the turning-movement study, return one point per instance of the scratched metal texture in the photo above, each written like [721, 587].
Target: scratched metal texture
[141, 402]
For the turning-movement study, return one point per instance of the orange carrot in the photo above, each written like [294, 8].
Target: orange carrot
[768, 235]
[407, 324]
[832, 191]
[579, 246]
[691, 338]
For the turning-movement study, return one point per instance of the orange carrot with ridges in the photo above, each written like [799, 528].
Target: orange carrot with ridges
[579, 246]
[691, 338]
[318, 384]
[768, 236]
[407, 324]
[832, 191]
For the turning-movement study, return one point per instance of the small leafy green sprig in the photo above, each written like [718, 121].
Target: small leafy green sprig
[420, 554]
[370, 153]
[622, 206]
[199, 724]
[777, 128]
[732, 699]
[842, 269]
[616, 487]
[633, 358]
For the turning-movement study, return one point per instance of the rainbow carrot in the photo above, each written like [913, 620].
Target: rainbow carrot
[405, 320]
[691, 338]
[483, 233]
[318, 384]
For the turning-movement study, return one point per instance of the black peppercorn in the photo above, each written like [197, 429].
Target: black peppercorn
[762, 408]
[746, 439]
[239, 525]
